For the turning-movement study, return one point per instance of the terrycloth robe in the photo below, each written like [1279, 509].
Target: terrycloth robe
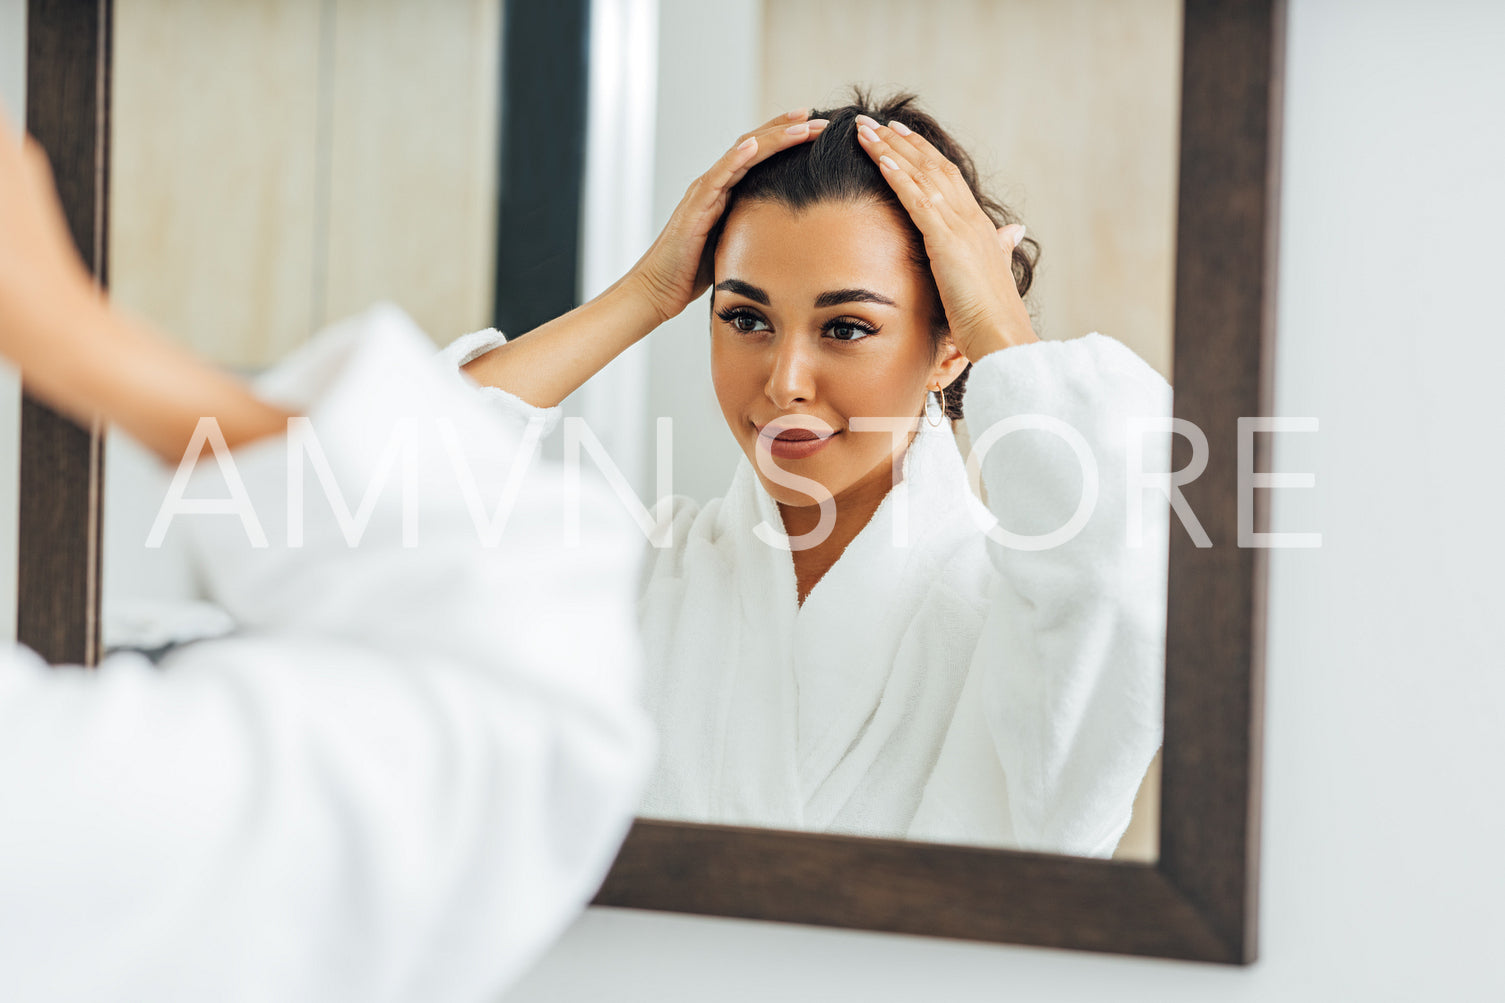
[950, 687]
[399, 780]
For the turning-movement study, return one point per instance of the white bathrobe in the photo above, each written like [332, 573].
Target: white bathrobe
[952, 689]
[400, 779]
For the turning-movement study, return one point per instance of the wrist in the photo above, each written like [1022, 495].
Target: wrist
[634, 299]
[981, 344]
[51, 325]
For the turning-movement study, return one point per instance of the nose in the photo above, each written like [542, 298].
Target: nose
[791, 377]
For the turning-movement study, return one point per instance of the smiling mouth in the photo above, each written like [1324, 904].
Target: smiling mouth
[795, 443]
[797, 435]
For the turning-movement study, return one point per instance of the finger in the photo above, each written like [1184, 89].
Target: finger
[924, 202]
[1010, 237]
[781, 121]
[925, 161]
[771, 138]
[923, 205]
[880, 141]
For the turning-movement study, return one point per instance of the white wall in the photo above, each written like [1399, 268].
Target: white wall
[707, 97]
[1384, 821]
[13, 100]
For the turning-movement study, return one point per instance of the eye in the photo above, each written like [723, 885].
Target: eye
[849, 329]
[744, 320]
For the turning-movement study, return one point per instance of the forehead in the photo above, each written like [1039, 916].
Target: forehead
[832, 245]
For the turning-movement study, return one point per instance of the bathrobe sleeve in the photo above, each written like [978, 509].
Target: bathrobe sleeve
[1071, 657]
[536, 421]
[406, 772]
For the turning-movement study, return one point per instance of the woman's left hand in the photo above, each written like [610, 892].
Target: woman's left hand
[971, 261]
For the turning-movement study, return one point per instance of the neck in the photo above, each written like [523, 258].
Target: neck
[854, 510]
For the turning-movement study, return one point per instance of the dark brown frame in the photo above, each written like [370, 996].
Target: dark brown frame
[1199, 900]
[62, 465]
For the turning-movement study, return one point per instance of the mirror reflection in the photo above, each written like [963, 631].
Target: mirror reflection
[849, 627]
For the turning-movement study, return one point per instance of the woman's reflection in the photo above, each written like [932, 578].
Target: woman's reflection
[843, 642]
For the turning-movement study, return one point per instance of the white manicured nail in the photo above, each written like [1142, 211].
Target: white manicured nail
[899, 127]
[888, 162]
[750, 143]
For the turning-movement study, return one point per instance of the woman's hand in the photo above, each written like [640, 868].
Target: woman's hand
[77, 353]
[44, 285]
[971, 260]
[675, 271]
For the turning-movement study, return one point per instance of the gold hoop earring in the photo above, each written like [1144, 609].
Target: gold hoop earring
[940, 419]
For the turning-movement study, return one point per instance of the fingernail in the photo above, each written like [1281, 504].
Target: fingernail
[864, 120]
[798, 129]
[818, 123]
[750, 143]
[888, 162]
[798, 113]
[899, 127]
[1019, 239]
[867, 133]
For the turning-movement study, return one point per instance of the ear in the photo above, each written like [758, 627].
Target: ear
[949, 363]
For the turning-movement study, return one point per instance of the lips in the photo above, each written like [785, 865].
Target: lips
[787, 442]
[796, 435]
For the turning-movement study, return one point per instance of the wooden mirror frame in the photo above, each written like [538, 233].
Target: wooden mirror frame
[1199, 900]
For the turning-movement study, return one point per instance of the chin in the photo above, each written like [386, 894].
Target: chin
[788, 496]
[782, 493]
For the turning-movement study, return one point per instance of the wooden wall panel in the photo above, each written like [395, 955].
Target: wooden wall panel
[280, 164]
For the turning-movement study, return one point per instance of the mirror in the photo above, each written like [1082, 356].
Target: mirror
[331, 155]
[1198, 899]
[325, 156]
[1077, 135]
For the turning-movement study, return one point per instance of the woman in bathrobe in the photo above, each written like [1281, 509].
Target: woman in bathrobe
[849, 641]
[401, 778]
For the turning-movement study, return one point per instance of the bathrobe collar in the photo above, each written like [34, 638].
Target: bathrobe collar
[833, 656]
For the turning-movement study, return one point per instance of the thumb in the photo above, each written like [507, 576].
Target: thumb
[1009, 237]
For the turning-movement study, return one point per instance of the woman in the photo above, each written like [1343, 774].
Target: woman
[829, 650]
[361, 796]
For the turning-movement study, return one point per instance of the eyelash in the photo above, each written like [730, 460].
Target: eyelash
[731, 315]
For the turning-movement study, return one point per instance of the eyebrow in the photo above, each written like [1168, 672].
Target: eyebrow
[741, 288]
[834, 297]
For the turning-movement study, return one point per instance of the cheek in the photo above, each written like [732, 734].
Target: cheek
[894, 389]
[729, 378]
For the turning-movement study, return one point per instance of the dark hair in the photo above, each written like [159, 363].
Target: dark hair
[834, 168]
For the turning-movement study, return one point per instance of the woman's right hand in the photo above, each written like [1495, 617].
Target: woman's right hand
[44, 285]
[675, 270]
[549, 363]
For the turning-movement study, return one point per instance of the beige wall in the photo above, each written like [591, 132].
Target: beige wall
[279, 164]
[1070, 109]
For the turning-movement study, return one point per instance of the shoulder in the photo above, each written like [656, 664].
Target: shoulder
[1094, 372]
